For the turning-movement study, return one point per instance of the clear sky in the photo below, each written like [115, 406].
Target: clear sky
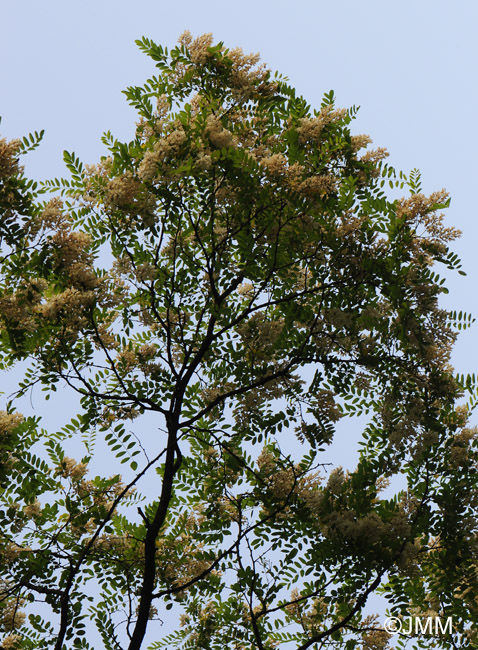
[410, 65]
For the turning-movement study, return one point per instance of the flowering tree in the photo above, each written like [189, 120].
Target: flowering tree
[218, 293]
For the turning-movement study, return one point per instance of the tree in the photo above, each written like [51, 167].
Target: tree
[234, 280]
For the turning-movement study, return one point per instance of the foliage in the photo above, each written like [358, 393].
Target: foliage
[219, 293]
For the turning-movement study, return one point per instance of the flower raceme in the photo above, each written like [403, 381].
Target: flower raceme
[218, 294]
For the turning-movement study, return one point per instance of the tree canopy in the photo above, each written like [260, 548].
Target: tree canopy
[216, 295]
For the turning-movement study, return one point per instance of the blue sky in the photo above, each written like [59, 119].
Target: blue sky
[409, 65]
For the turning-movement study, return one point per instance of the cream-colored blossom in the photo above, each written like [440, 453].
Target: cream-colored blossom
[459, 452]
[275, 164]
[122, 191]
[11, 617]
[33, 510]
[11, 552]
[9, 422]
[243, 61]
[218, 135]
[376, 155]
[408, 557]
[147, 351]
[310, 128]
[295, 174]
[179, 559]
[68, 305]
[336, 480]
[374, 637]
[198, 47]
[14, 308]
[127, 359]
[106, 338]
[314, 499]
[260, 335]
[122, 266]
[70, 468]
[320, 185]
[360, 141]
[281, 481]
[70, 247]
[52, 215]
[11, 642]
[245, 289]
[145, 272]
[163, 106]
[148, 168]
[165, 147]
[266, 462]
[82, 276]
[9, 158]
[203, 161]
[419, 208]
